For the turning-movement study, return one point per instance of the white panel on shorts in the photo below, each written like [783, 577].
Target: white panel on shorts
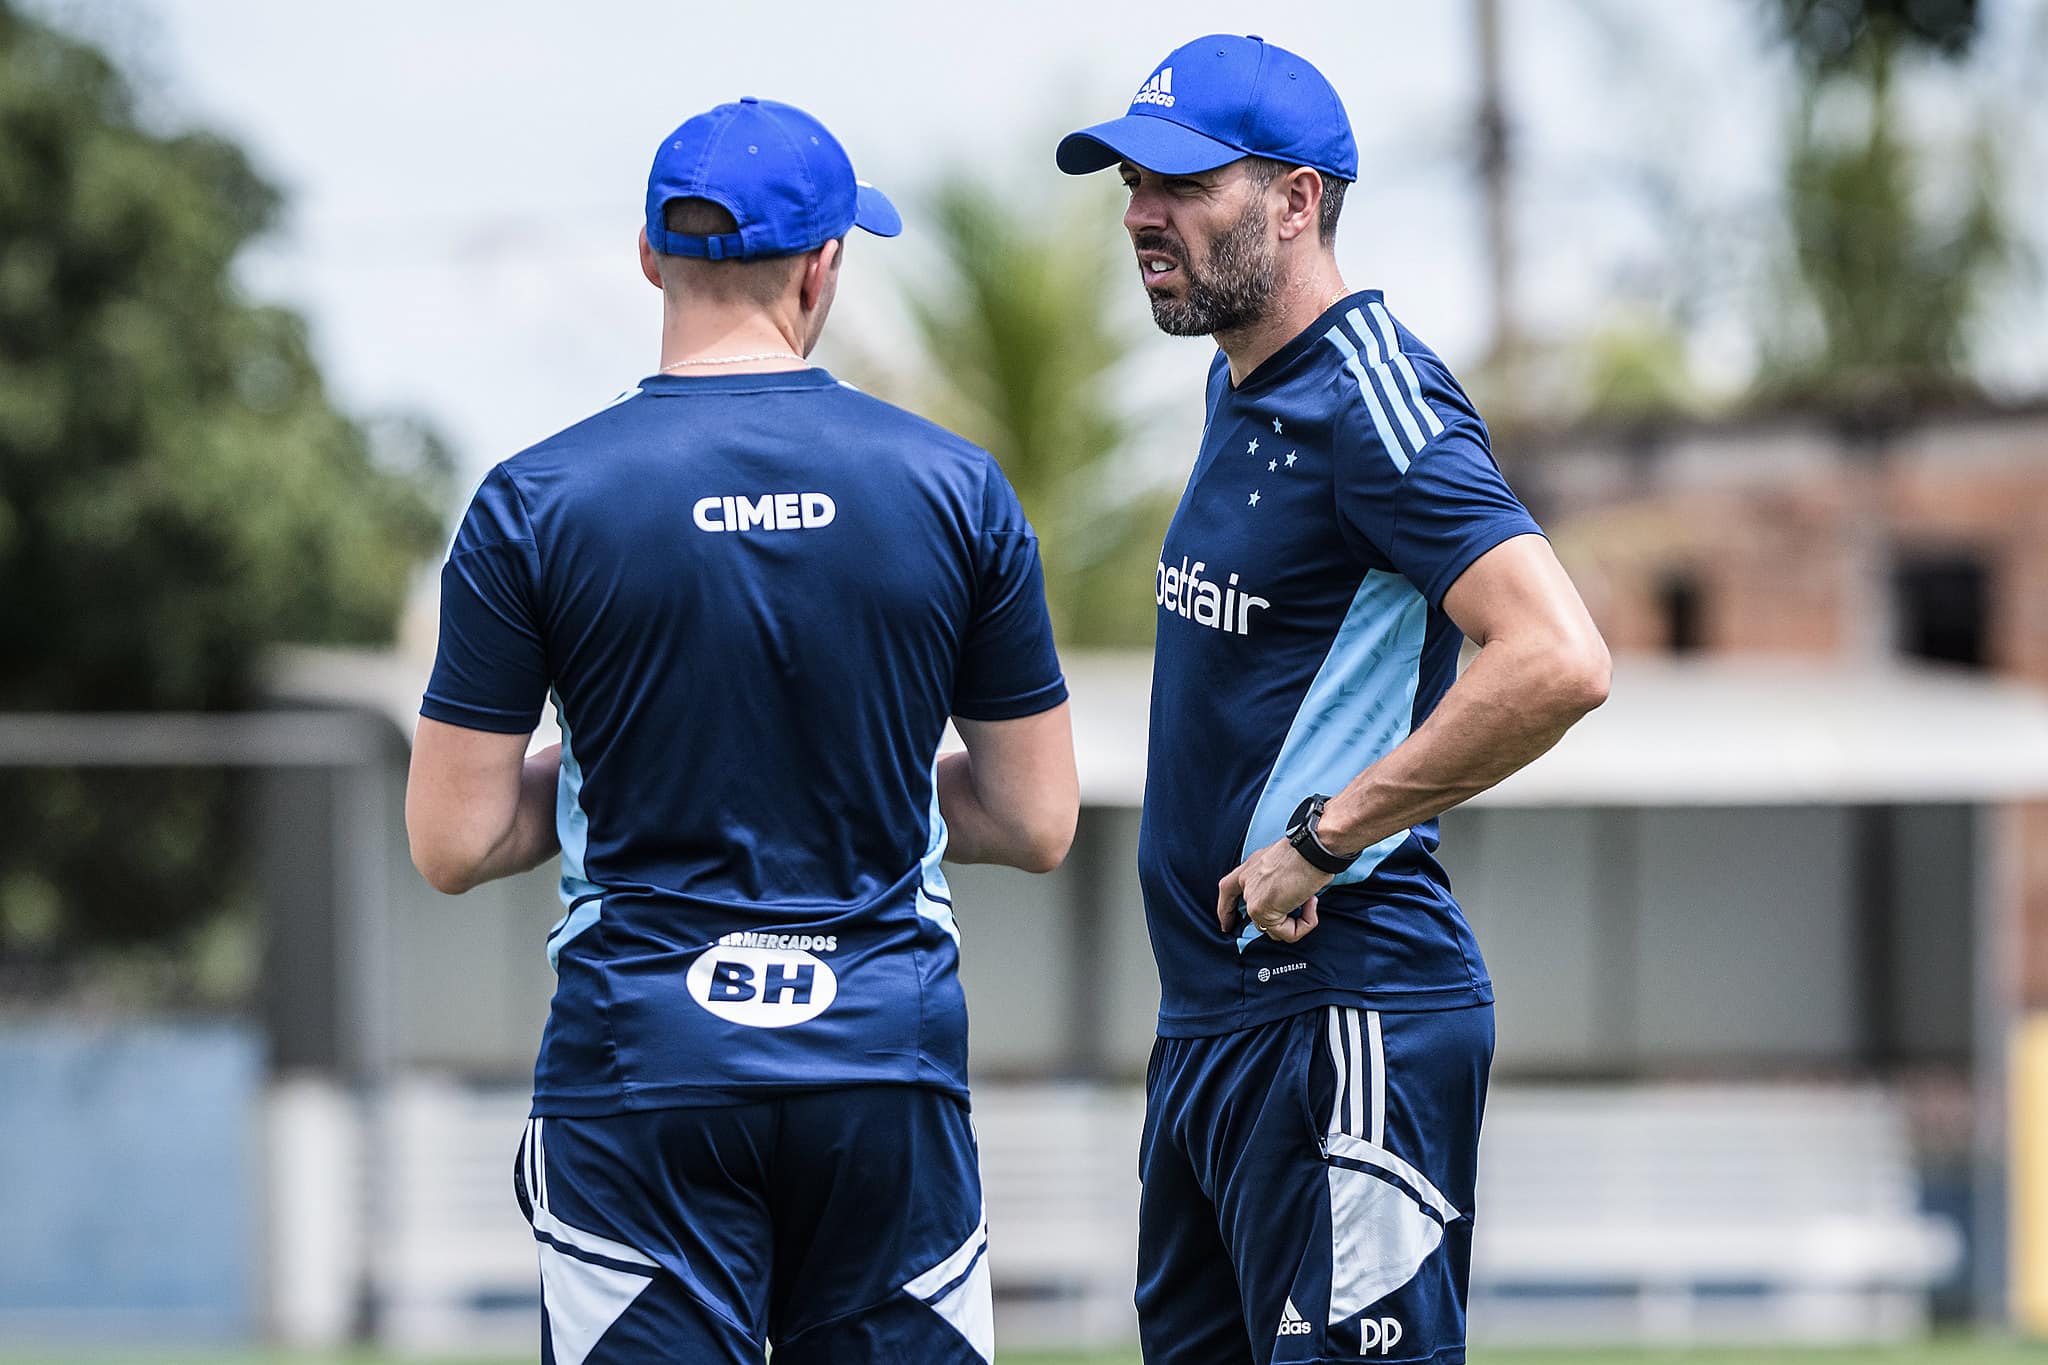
[958, 1290]
[583, 1301]
[1379, 1238]
[1379, 1233]
[1353, 1149]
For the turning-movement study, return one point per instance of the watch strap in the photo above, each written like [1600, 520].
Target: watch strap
[1302, 837]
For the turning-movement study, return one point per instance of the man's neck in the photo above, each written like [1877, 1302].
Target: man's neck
[1295, 306]
[688, 339]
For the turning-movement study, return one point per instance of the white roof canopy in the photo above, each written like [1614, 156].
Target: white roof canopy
[1725, 732]
[1722, 732]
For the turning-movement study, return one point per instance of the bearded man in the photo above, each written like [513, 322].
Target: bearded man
[1326, 1021]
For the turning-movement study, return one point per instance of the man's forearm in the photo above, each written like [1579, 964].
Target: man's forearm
[977, 831]
[531, 839]
[1510, 707]
[966, 822]
[973, 834]
[1012, 797]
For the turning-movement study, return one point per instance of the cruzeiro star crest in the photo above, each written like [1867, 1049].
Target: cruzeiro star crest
[1251, 447]
[1272, 465]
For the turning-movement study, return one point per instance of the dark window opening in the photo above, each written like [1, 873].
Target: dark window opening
[1682, 604]
[1941, 603]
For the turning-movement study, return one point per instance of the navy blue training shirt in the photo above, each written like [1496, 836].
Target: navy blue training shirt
[756, 598]
[1339, 492]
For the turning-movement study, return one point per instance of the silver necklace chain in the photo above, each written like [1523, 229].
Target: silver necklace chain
[736, 360]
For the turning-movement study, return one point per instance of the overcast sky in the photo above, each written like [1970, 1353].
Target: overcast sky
[466, 177]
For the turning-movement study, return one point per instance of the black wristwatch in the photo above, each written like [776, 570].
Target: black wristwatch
[1302, 838]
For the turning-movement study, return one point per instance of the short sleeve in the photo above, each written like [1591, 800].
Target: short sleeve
[1432, 517]
[490, 671]
[1008, 666]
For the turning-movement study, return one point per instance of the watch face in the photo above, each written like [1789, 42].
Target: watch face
[1300, 816]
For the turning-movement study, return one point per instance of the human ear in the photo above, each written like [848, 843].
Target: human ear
[1302, 200]
[818, 272]
[650, 266]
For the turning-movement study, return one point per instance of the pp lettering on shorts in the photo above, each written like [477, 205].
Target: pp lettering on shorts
[1383, 1334]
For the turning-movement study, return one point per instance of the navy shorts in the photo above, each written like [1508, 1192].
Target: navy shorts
[1308, 1189]
[845, 1226]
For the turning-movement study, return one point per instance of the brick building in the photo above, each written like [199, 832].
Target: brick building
[1850, 544]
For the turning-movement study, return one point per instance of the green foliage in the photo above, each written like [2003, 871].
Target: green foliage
[1636, 369]
[1019, 337]
[1834, 35]
[1892, 252]
[1990, 1350]
[176, 490]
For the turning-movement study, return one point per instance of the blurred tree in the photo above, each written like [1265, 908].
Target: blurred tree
[1893, 250]
[1634, 368]
[176, 490]
[1831, 36]
[1022, 352]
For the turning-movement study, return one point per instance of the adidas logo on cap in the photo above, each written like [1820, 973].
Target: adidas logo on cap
[1292, 1323]
[1158, 90]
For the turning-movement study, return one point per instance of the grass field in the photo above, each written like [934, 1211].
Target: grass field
[1952, 1352]
[1939, 1353]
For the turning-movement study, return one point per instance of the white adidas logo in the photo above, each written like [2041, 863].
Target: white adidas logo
[1292, 1323]
[1158, 90]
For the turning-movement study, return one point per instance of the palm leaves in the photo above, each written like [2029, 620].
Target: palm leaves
[1023, 354]
[1891, 261]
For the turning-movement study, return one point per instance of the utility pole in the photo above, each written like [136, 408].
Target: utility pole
[1495, 182]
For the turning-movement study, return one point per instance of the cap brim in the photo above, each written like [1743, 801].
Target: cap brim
[873, 212]
[1146, 140]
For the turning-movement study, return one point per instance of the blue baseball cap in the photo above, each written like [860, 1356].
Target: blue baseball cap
[786, 181]
[1217, 99]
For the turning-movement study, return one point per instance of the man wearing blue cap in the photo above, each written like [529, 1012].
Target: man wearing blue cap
[1326, 1022]
[756, 595]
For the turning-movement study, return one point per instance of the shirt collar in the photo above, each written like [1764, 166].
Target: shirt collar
[1276, 366]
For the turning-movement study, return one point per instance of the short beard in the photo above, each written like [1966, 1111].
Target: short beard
[1235, 289]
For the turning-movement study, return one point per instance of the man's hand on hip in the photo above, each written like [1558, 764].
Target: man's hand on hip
[1272, 884]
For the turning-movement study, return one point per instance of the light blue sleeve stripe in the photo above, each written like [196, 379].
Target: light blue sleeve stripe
[1335, 336]
[1388, 384]
[570, 925]
[1359, 706]
[572, 827]
[1385, 322]
[934, 896]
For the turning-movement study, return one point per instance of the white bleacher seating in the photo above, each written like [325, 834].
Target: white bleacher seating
[1624, 1213]
[453, 1262]
[1766, 1212]
[1059, 1169]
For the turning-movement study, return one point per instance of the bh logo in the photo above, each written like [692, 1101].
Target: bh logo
[762, 987]
[1381, 1334]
